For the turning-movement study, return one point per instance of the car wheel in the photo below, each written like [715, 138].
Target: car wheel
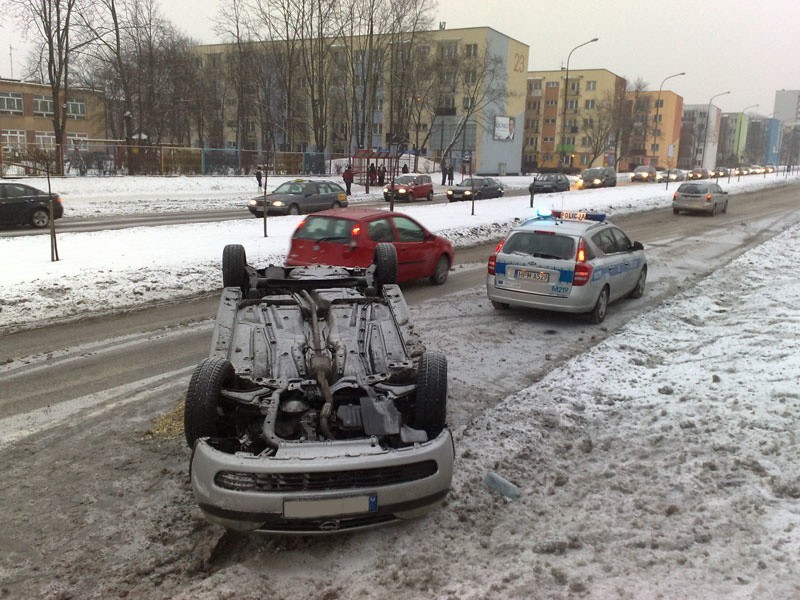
[429, 197]
[430, 407]
[714, 210]
[675, 211]
[202, 412]
[336, 204]
[234, 263]
[40, 217]
[499, 305]
[385, 265]
[440, 272]
[294, 209]
[600, 308]
[638, 291]
[725, 207]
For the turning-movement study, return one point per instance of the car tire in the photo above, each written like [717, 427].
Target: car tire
[234, 266]
[641, 282]
[598, 313]
[725, 207]
[429, 197]
[441, 270]
[40, 218]
[294, 209]
[336, 204]
[430, 406]
[675, 211]
[385, 265]
[201, 413]
[714, 210]
[500, 305]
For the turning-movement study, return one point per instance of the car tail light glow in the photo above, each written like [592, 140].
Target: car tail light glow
[355, 231]
[490, 268]
[583, 270]
[708, 197]
[675, 196]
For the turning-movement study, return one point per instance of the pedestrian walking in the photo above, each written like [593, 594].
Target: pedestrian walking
[405, 168]
[373, 174]
[450, 175]
[381, 175]
[259, 176]
[347, 176]
[444, 172]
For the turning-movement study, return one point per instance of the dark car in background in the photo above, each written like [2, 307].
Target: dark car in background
[410, 187]
[549, 182]
[475, 188]
[645, 173]
[300, 196]
[698, 173]
[21, 204]
[348, 237]
[597, 177]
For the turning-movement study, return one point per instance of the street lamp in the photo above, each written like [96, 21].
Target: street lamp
[658, 102]
[708, 114]
[739, 132]
[564, 112]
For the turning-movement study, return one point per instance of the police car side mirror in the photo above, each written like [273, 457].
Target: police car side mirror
[637, 246]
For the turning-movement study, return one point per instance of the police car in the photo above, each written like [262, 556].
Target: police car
[572, 262]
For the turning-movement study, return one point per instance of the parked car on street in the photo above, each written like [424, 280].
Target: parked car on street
[300, 196]
[549, 182]
[597, 177]
[411, 186]
[348, 238]
[318, 409]
[700, 196]
[567, 262]
[475, 188]
[644, 173]
[22, 204]
[699, 173]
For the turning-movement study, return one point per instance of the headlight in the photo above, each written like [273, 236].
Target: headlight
[401, 190]
[254, 202]
[449, 192]
[596, 182]
[468, 193]
[277, 203]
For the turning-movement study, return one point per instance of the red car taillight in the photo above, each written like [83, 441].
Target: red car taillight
[675, 196]
[490, 268]
[583, 270]
[708, 197]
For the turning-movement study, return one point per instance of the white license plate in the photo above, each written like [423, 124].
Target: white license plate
[532, 275]
[329, 507]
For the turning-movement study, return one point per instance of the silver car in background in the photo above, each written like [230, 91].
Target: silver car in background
[700, 196]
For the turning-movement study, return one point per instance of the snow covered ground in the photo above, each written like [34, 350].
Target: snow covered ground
[661, 463]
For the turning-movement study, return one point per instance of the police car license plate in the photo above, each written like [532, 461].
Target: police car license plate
[329, 507]
[532, 275]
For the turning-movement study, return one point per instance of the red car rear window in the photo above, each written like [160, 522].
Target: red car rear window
[329, 229]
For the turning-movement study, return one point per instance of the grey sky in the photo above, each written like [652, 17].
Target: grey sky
[748, 48]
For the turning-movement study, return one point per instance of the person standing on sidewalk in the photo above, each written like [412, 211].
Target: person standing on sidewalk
[347, 176]
[259, 175]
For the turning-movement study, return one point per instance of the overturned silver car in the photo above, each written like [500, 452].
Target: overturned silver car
[318, 409]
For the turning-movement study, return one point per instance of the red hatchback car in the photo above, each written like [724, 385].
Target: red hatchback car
[347, 237]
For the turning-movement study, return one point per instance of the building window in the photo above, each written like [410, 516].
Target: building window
[45, 139]
[447, 50]
[469, 102]
[588, 123]
[550, 121]
[654, 148]
[377, 129]
[10, 103]
[591, 86]
[42, 106]
[471, 50]
[589, 105]
[552, 84]
[548, 138]
[78, 141]
[551, 103]
[575, 86]
[572, 105]
[659, 103]
[471, 76]
[12, 139]
[585, 141]
[534, 104]
[584, 159]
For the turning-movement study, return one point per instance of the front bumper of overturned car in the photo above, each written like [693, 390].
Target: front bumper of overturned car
[317, 488]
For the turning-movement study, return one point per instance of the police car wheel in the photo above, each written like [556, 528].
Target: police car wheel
[725, 207]
[500, 305]
[638, 291]
[598, 313]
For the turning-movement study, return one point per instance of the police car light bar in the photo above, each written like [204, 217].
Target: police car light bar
[578, 216]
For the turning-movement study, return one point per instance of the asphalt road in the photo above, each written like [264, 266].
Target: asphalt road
[95, 355]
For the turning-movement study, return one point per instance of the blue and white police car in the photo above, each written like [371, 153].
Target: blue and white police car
[563, 261]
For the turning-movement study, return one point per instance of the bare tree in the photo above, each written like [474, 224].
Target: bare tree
[52, 21]
[632, 123]
[601, 123]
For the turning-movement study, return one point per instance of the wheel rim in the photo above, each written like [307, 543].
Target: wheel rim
[440, 273]
[40, 218]
[641, 283]
[602, 305]
[293, 210]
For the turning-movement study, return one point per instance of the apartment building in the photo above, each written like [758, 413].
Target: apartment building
[26, 118]
[700, 127]
[787, 106]
[472, 128]
[568, 122]
[656, 131]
